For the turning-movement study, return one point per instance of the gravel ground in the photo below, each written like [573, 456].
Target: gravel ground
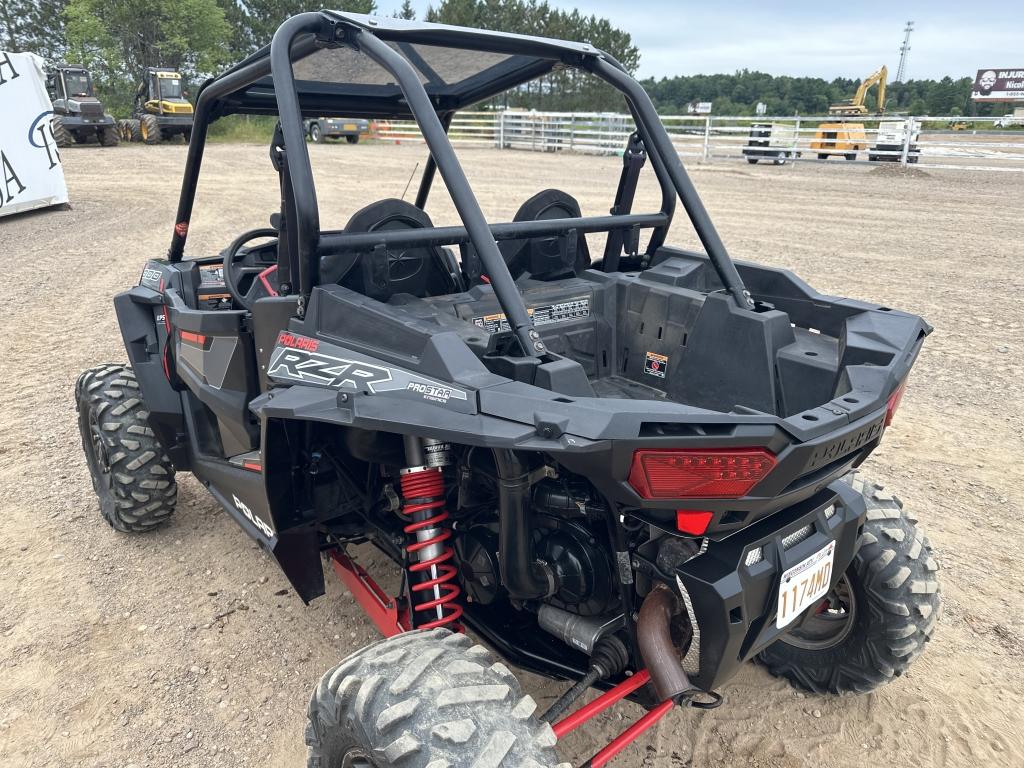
[185, 647]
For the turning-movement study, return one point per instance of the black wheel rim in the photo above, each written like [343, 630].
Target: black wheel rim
[827, 624]
[357, 758]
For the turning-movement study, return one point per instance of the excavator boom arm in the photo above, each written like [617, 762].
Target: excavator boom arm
[878, 77]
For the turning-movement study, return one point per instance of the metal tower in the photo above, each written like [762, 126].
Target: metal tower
[904, 50]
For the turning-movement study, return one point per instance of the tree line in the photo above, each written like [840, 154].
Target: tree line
[117, 41]
[740, 93]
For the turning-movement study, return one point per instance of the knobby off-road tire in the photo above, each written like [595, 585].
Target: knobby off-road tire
[425, 700]
[891, 604]
[61, 135]
[150, 129]
[130, 472]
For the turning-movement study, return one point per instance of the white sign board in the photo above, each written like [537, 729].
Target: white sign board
[31, 175]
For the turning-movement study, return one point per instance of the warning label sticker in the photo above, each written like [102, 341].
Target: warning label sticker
[573, 309]
[656, 365]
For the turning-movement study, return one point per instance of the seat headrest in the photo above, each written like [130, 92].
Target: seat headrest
[547, 258]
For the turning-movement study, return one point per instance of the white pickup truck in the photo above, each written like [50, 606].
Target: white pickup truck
[889, 142]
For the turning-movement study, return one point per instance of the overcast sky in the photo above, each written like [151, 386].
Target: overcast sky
[811, 38]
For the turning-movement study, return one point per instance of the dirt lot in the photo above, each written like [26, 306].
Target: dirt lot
[185, 648]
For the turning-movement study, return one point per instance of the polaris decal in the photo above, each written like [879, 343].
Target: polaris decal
[258, 523]
[300, 359]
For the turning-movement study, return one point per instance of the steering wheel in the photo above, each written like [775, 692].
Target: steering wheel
[238, 266]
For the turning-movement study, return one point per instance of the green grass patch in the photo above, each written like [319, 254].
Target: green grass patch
[243, 129]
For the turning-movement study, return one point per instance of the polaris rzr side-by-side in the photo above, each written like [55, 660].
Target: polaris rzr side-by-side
[630, 470]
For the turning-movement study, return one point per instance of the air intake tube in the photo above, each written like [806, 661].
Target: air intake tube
[525, 578]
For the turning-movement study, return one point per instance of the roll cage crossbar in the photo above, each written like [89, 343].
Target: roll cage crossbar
[247, 89]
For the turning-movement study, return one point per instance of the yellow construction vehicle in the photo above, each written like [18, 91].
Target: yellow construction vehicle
[856, 105]
[845, 138]
[161, 110]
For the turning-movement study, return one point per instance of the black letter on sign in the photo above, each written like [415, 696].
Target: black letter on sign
[9, 176]
[45, 131]
[7, 60]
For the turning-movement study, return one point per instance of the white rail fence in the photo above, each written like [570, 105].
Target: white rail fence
[930, 142]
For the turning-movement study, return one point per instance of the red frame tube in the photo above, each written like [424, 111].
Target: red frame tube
[601, 703]
[625, 738]
[379, 605]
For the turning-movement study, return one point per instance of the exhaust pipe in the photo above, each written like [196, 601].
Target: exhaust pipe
[660, 654]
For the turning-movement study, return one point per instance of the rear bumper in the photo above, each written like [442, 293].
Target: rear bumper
[731, 593]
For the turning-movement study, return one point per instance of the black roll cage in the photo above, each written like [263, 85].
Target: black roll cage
[244, 89]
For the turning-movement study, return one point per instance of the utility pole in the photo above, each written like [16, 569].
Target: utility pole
[904, 50]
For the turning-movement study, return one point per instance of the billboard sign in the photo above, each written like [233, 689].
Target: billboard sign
[31, 175]
[998, 85]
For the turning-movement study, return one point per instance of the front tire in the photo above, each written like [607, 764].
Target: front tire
[316, 134]
[352, 139]
[425, 698]
[150, 129]
[879, 617]
[131, 474]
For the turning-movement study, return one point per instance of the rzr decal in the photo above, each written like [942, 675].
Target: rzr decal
[296, 358]
[300, 365]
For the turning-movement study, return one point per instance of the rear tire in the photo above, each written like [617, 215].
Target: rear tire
[130, 472]
[135, 131]
[891, 604]
[823, 156]
[61, 137]
[753, 160]
[425, 698]
[109, 137]
[851, 156]
[352, 139]
[150, 129]
[316, 134]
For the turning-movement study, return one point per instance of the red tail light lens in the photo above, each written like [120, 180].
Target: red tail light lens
[894, 402]
[707, 473]
[693, 521]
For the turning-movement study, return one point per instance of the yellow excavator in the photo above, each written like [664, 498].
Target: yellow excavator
[856, 105]
[845, 138]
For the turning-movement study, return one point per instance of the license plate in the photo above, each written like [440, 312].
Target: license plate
[804, 584]
[349, 127]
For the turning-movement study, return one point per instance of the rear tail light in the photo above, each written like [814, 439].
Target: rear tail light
[706, 473]
[894, 402]
[692, 521]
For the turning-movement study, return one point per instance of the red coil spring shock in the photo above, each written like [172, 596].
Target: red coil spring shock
[431, 572]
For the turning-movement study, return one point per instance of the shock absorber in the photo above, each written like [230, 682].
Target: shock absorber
[431, 572]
